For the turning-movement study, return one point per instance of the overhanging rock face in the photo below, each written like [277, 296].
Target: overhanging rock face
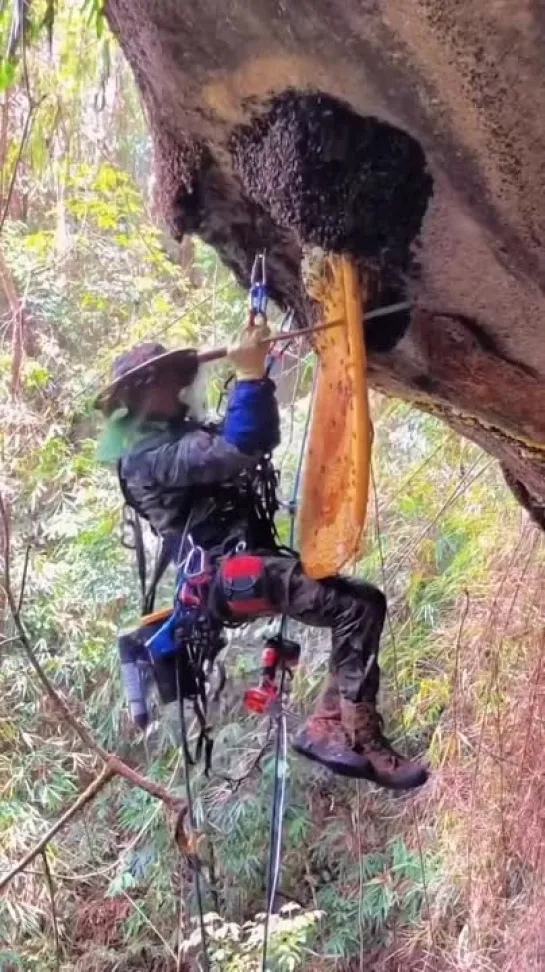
[410, 132]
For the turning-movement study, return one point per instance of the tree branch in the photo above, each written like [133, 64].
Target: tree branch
[15, 611]
[4, 126]
[88, 794]
[51, 889]
[26, 132]
[114, 765]
[154, 789]
[33, 107]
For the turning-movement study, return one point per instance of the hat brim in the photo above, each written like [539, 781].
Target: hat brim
[180, 365]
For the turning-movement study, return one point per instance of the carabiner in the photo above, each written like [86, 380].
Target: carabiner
[258, 286]
[195, 564]
[259, 261]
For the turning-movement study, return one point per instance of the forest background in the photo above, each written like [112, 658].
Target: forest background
[451, 878]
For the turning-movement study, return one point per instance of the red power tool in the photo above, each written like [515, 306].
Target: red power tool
[279, 652]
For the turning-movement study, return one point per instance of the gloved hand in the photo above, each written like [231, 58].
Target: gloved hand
[247, 356]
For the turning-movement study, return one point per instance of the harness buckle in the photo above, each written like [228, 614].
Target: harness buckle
[196, 573]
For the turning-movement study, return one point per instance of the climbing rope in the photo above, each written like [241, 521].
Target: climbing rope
[187, 762]
[281, 744]
[258, 303]
[277, 816]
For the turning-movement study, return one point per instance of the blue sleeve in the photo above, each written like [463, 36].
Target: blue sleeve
[252, 422]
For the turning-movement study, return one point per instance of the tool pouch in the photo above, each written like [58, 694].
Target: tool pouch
[137, 665]
[135, 671]
[239, 590]
[157, 635]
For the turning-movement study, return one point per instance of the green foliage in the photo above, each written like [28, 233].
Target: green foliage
[7, 74]
[23, 25]
[235, 948]
[94, 11]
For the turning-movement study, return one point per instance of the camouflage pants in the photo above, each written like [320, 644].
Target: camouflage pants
[353, 610]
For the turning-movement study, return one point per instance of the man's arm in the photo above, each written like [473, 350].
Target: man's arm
[251, 428]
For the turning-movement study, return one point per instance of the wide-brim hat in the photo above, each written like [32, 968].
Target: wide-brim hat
[143, 365]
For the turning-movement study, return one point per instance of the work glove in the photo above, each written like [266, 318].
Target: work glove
[247, 355]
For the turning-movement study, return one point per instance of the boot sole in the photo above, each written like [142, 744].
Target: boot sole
[361, 769]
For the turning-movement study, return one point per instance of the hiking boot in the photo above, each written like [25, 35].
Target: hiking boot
[323, 739]
[346, 738]
[386, 767]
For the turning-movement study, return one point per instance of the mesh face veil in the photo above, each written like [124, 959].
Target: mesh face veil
[195, 397]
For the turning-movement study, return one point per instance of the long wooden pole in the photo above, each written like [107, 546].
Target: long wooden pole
[215, 354]
[195, 358]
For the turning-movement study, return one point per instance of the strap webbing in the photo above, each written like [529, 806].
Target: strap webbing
[164, 555]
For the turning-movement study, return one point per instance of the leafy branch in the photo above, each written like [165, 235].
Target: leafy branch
[113, 765]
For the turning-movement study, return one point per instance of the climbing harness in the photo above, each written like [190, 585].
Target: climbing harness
[241, 587]
[184, 649]
[191, 818]
[132, 538]
[150, 649]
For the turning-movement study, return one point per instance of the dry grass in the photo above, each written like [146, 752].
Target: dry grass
[484, 810]
[99, 921]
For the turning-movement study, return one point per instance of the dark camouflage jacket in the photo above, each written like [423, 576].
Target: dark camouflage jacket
[200, 474]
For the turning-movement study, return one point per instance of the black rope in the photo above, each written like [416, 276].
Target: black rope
[277, 816]
[191, 814]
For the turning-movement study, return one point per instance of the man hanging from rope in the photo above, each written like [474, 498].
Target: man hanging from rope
[190, 481]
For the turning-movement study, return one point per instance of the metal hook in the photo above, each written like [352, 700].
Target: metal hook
[258, 286]
[259, 260]
[195, 563]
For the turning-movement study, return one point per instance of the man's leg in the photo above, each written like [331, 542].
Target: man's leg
[353, 610]
[344, 732]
